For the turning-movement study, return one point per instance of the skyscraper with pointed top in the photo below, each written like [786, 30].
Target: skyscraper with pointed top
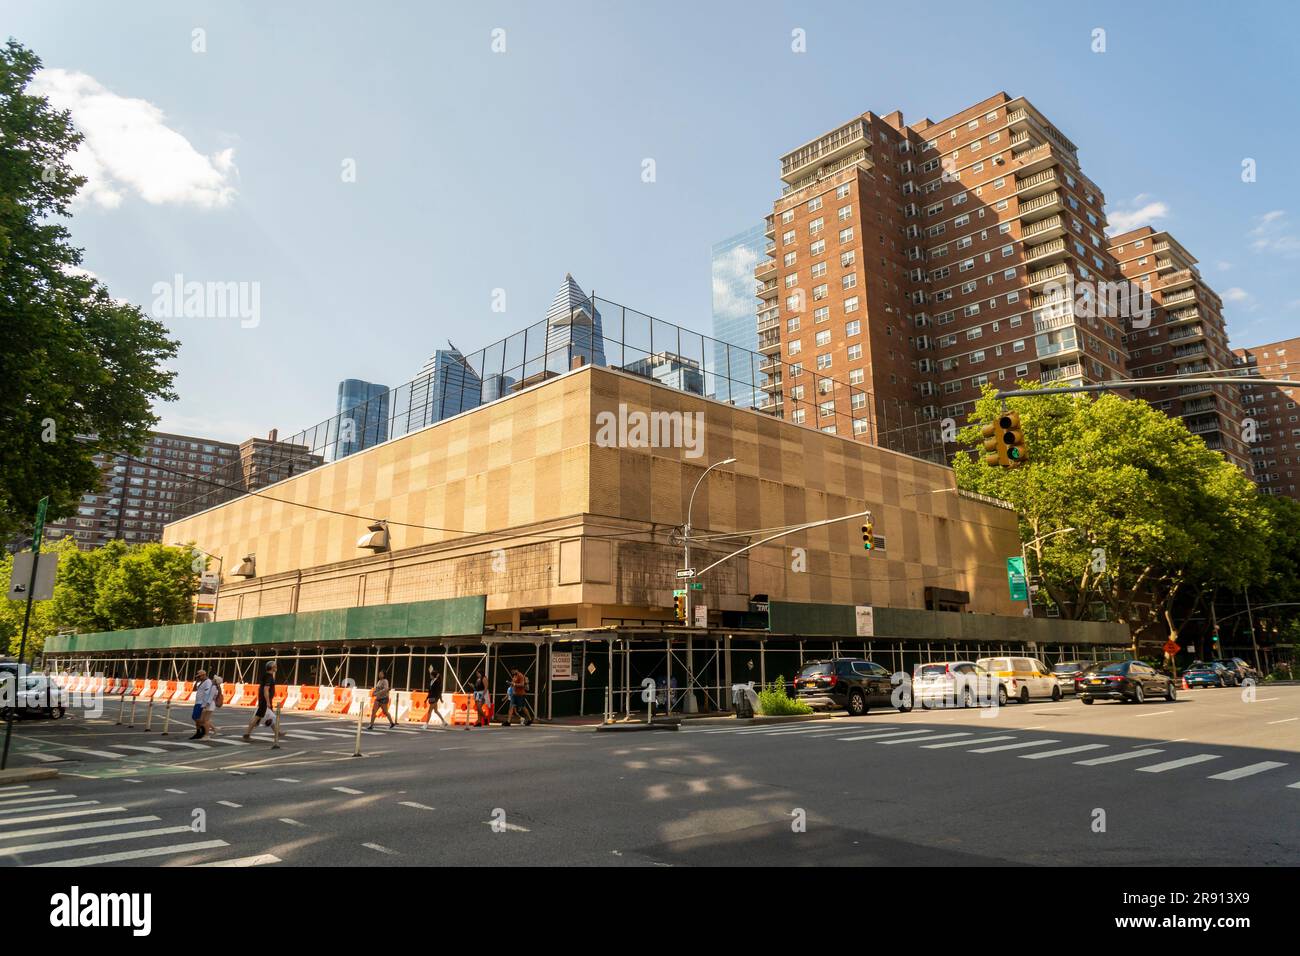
[573, 328]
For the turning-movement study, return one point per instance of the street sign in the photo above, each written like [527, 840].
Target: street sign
[686, 572]
[1016, 579]
[1171, 648]
[701, 615]
[46, 568]
[696, 585]
[562, 665]
[865, 620]
[591, 668]
[40, 523]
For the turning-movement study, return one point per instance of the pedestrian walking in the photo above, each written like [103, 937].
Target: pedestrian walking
[265, 700]
[479, 685]
[380, 694]
[517, 693]
[202, 701]
[435, 698]
[217, 699]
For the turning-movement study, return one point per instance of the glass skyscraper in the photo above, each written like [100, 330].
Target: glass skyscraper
[362, 416]
[735, 315]
[446, 386]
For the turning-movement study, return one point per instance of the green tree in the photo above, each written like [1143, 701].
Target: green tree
[122, 586]
[1161, 520]
[44, 622]
[79, 372]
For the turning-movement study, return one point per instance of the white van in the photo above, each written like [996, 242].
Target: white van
[1023, 677]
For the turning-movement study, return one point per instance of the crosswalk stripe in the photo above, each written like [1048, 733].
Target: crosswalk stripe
[228, 742]
[1293, 786]
[413, 805]
[1115, 758]
[140, 747]
[49, 806]
[191, 745]
[897, 733]
[7, 798]
[87, 841]
[260, 860]
[62, 815]
[1247, 771]
[97, 753]
[1175, 764]
[45, 799]
[137, 854]
[72, 827]
[965, 743]
[912, 740]
[13, 787]
[803, 725]
[1064, 751]
[43, 758]
[227, 803]
[346, 790]
[1019, 746]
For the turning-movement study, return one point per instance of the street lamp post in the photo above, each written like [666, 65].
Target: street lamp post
[686, 533]
[215, 594]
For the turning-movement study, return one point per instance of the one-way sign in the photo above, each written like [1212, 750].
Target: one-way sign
[686, 572]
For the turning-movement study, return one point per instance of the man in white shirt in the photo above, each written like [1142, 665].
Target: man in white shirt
[202, 702]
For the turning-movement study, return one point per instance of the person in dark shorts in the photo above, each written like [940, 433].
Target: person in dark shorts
[479, 686]
[517, 692]
[265, 699]
[435, 698]
[380, 705]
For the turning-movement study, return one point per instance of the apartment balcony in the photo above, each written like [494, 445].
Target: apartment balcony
[1198, 388]
[1035, 159]
[765, 269]
[1178, 298]
[828, 175]
[1020, 139]
[1047, 252]
[1061, 372]
[773, 403]
[1057, 322]
[1048, 228]
[1046, 301]
[771, 365]
[1189, 353]
[768, 320]
[1040, 207]
[1187, 332]
[770, 231]
[1165, 265]
[1205, 427]
[1018, 121]
[1038, 280]
[1199, 406]
[767, 290]
[1182, 315]
[824, 150]
[1200, 369]
[1183, 279]
[1039, 184]
[769, 341]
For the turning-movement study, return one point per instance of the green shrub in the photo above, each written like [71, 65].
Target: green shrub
[774, 702]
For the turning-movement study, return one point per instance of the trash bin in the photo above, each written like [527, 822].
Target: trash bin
[740, 700]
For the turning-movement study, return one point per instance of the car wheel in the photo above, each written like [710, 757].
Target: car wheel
[904, 707]
[1138, 697]
[1218, 682]
[1171, 694]
[857, 704]
[1056, 693]
[1024, 695]
[1002, 696]
[1086, 700]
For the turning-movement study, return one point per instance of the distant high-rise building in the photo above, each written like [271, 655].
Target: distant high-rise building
[573, 328]
[1273, 416]
[677, 372]
[362, 419]
[734, 374]
[446, 386]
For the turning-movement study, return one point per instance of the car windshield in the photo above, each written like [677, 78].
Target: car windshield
[1114, 667]
[815, 670]
[933, 670]
[1201, 665]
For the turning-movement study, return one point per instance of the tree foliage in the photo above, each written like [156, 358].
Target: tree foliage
[123, 586]
[1160, 520]
[79, 372]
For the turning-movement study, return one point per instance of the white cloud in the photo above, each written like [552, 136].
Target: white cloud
[1223, 265]
[1236, 294]
[1142, 212]
[129, 148]
[1273, 233]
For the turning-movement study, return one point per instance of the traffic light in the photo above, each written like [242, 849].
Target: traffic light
[679, 605]
[868, 534]
[1216, 641]
[995, 450]
[1013, 436]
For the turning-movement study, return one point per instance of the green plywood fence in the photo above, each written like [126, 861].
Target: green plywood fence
[839, 620]
[452, 617]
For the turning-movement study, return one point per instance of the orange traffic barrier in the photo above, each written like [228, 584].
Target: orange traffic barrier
[249, 697]
[463, 711]
[418, 712]
[278, 696]
[136, 687]
[308, 698]
[166, 692]
[342, 700]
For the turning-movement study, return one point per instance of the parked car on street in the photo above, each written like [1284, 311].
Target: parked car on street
[1125, 681]
[956, 683]
[1023, 677]
[1069, 672]
[1207, 674]
[851, 684]
[1239, 669]
[37, 696]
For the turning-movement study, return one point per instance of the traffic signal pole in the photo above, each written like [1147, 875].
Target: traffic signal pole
[1120, 385]
[19, 675]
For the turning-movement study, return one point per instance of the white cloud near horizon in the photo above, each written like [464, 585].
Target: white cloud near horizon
[1273, 233]
[130, 149]
[1144, 212]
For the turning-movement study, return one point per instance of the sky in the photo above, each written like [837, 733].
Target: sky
[375, 179]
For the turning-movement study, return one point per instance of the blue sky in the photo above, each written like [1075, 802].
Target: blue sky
[479, 170]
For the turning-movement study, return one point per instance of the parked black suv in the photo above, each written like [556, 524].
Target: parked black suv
[1239, 669]
[855, 685]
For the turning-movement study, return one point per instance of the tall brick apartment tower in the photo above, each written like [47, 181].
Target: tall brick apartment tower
[1276, 450]
[913, 263]
[1186, 336]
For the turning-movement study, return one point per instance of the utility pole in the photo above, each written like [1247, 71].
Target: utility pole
[686, 536]
[20, 675]
[1250, 618]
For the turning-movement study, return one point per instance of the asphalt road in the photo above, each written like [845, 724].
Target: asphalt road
[1209, 779]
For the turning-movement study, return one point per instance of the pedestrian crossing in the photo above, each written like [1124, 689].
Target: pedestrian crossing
[1014, 743]
[45, 826]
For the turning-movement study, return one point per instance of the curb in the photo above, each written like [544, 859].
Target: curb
[756, 720]
[23, 774]
[634, 728]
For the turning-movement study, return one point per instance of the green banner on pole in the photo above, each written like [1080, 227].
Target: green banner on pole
[1016, 579]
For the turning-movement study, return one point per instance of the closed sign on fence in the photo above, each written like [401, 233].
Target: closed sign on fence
[561, 665]
[866, 620]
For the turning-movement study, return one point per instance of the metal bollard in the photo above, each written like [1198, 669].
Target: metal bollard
[148, 716]
[121, 706]
[275, 744]
[360, 714]
[134, 701]
[167, 716]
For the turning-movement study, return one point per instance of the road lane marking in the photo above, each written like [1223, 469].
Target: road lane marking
[184, 743]
[227, 803]
[1115, 758]
[87, 841]
[1248, 771]
[379, 849]
[912, 740]
[1019, 746]
[1062, 752]
[173, 790]
[44, 804]
[1175, 764]
[14, 787]
[137, 854]
[139, 747]
[98, 753]
[1155, 713]
[1287, 721]
[292, 822]
[897, 733]
[260, 860]
[499, 826]
[72, 827]
[964, 743]
[62, 815]
[8, 798]
[43, 758]
[414, 805]
[346, 790]
[287, 780]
